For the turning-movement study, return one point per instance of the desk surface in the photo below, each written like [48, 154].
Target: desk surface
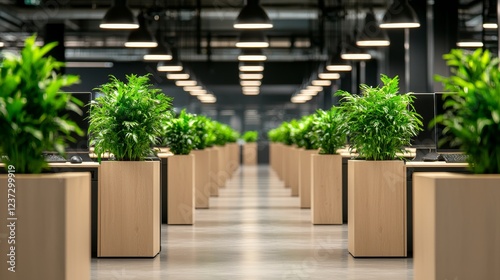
[410, 164]
[165, 155]
[69, 164]
[85, 164]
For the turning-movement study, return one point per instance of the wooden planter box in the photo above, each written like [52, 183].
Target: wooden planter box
[305, 177]
[293, 171]
[250, 154]
[222, 173]
[285, 168]
[202, 178]
[234, 161]
[181, 190]
[52, 230]
[456, 226]
[326, 188]
[376, 208]
[214, 171]
[129, 209]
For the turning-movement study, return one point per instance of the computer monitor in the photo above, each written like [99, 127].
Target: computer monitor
[445, 146]
[424, 106]
[81, 144]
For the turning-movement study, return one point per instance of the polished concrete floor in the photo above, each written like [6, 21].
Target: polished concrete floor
[254, 230]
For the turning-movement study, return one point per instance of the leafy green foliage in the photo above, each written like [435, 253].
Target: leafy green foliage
[250, 136]
[33, 110]
[223, 134]
[181, 134]
[380, 122]
[473, 113]
[129, 118]
[329, 135]
[201, 128]
[304, 133]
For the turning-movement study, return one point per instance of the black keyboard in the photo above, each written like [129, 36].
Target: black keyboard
[54, 158]
[454, 158]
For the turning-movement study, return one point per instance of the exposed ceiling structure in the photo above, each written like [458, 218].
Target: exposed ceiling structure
[202, 31]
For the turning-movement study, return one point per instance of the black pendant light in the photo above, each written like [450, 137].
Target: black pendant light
[161, 52]
[490, 15]
[252, 39]
[400, 15]
[141, 37]
[252, 55]
[337, 64]
[253, 16]
[119, 16]
[371, 35]
[173, 65]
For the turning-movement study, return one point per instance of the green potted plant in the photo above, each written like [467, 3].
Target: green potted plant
[202, 162]
[210, 139]
[250, 147]
[181, 137]
[379, 123]
[457, 228]
[126, 121]
[33, 120]
[305, 135]
[326, 184]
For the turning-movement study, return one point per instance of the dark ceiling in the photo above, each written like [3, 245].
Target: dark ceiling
[304, 33]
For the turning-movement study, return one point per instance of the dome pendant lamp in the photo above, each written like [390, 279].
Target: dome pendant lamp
[400, 15]
[371, 35]
[253, 16]
[142, 37]
[252, 39]
[160, 52]
[119, 16]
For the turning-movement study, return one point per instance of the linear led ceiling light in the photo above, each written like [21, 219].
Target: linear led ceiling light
[141, 37]
[321, 83]
[371, 34]
[251, 76]
[251, 55]
[316, 88]
[119, 16]
[252, 39]
[2, 44]
[308, 92]
[186, 83]
[169, 66]
[330, 76]
[400, 15]
[177, 76]
[253, 16]
[198, 92]
[249, 66]
[192, 88]
[250, 83]
[250, 90]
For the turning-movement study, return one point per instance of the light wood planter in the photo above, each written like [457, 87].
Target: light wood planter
[279, 160]
[293, 171]
[326, 188]
[272, 152]
[376, 208]
[456, 226]
[285, 168]
[222, 173]
[181, 190]
[234, 159]
[52, 230]
[214, 171]
[202, 178]
[129, 209]
[305, 168]
[250, 154]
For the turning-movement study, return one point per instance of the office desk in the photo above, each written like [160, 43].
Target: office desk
[423, 166]
[93, 169]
